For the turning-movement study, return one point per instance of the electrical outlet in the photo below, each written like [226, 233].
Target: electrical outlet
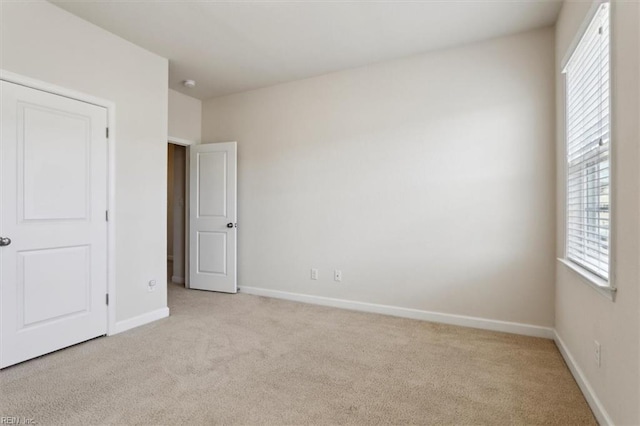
[152, 286]
[314, 274]
[597, 352]
[337, 275]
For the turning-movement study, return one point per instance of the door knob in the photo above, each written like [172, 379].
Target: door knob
[4, 241]
[229, 225]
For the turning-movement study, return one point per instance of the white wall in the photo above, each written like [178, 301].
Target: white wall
[429, 181]
[582, 315]
[41, 41]
[185, 116]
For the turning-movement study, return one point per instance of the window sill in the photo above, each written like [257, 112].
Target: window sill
[594, 281]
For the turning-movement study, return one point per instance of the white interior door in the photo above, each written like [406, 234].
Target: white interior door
[212, 217]
[53, 199]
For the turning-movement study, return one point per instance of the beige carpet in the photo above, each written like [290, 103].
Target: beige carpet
[241, 359]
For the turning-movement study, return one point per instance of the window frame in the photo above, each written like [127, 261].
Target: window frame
[605, 287]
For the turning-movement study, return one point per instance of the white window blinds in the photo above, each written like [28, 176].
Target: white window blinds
[588, 148]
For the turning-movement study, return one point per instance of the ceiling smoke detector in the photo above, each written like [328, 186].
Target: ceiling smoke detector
[190, 84]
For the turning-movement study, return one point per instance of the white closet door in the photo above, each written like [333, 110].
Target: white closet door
[53, 200]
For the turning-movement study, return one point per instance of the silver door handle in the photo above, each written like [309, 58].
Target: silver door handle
[4, 241]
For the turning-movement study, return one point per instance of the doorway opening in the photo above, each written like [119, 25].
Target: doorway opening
[177, 200]
[201, 216]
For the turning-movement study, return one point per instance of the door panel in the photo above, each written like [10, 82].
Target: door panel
[52, 177]
[212, 252]
[61, 274]
[212, 184]
[53, 198]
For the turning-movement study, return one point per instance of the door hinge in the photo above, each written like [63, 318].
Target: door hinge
[107, 299]
[107, 133]
[106, 215]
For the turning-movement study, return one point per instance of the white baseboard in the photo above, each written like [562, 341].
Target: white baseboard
[592, 399]
[178, 280]
[461, 320]
[140, 320]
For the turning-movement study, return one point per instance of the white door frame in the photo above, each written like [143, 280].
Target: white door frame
[180, 141]
[111, 175]
[187, 144]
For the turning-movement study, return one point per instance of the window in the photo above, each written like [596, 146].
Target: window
[588, 149]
